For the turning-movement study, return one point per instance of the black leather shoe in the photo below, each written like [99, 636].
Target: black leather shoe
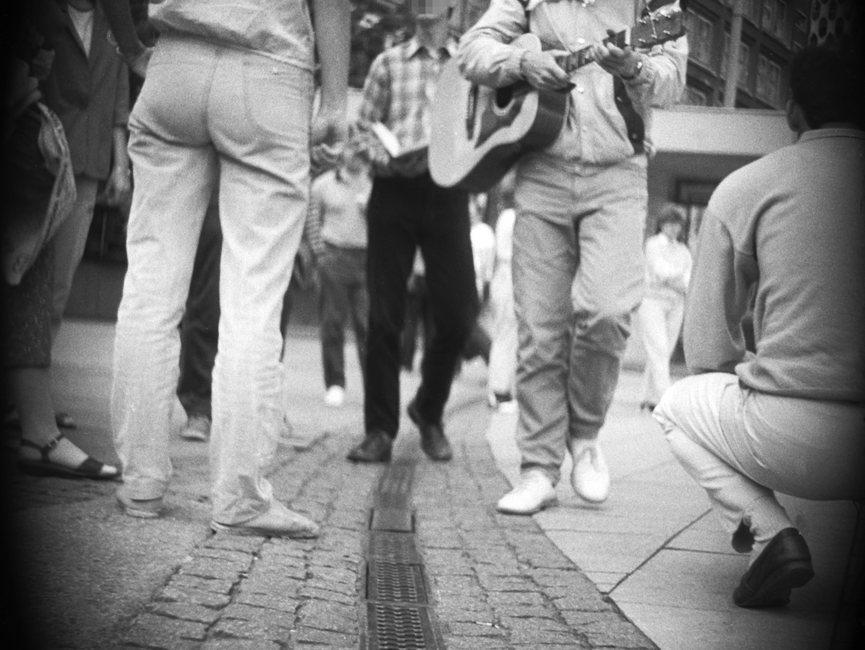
[783, 565]
[432, 436]
[374, 448]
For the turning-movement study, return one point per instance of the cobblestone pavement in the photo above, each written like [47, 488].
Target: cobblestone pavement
[494, 582]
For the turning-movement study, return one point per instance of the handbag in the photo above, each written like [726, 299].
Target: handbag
[34, 215]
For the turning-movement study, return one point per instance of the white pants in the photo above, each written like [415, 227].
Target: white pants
[503, 351]
[741, 446]
[660, 322]
[207, 118]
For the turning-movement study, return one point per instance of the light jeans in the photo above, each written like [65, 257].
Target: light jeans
[741, 446]
[660, 323]
[69, 242]
[503, 350]
[211, 117]
[578, 273]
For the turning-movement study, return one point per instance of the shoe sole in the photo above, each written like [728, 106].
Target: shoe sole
[774, 591]
[542, 506]
[139, 513]
[194, 437]
[249, 531]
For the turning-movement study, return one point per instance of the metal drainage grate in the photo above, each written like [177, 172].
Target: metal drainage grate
[397, 520]
[396, 627]
[395, 486]
[395, 583]
[392, 547]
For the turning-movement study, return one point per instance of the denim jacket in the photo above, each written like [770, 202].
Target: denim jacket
[595, 132]
[280, 29]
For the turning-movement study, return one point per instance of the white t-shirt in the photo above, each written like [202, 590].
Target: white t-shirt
[83, 21]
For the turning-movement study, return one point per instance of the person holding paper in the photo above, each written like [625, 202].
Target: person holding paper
[408, 210]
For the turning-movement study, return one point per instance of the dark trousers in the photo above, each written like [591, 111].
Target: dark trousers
[199, 328]
[417, 317]
[402, 215]
[343, 294]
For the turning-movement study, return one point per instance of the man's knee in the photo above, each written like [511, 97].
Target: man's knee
[603, 331]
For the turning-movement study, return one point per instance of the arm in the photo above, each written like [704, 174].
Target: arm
[486, 57]
[717, 301]
[119, 16]
[653, 79]
[119, 182]
[119, 186]
[332, 31]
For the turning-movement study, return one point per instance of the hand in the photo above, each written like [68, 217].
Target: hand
[119, 186]
[138, 63]
[329, 131]
[542, 72]
[615, 60]
[410, 165]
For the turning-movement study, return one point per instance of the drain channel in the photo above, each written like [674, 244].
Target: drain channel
[398, 612]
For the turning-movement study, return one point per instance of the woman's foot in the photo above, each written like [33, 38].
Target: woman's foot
[61, 457]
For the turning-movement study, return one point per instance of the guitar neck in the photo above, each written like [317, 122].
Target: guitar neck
[584, 56]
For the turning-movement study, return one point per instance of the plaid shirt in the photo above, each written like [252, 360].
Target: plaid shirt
[398, 92]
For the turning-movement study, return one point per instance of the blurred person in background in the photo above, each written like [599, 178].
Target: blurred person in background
[336, 231]
[407, 211]
[668, 271]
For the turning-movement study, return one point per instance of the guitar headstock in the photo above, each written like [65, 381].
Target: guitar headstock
[657, 28]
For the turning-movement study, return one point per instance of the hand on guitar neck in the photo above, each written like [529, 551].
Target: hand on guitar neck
[620, 61]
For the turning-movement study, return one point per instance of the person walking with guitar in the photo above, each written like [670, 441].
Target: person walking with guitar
[581, 202]
[408, 210]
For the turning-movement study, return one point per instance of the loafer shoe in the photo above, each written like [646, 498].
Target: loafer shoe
[783, 565]
[432, 436]
[139, 508]
[374, 448]
[278, 521]
[534, 492]
[197, 428]
[590, 476]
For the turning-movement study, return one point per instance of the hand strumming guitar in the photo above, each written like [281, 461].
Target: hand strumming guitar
[542, 71]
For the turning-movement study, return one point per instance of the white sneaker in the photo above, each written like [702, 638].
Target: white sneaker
[197, 428]
[590, 476]
[335, 396]
[533, 493]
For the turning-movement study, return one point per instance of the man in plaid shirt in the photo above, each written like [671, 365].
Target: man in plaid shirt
[408, 210]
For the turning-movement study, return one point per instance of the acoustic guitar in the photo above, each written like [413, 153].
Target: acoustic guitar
[479, 132]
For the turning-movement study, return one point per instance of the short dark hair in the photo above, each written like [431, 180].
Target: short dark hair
[826, 81]
[671, 213]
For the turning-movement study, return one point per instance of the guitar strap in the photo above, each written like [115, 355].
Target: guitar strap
[633, 122]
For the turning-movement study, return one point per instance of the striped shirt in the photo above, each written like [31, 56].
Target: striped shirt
[398, 93]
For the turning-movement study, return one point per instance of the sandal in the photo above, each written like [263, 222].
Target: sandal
[89, 468]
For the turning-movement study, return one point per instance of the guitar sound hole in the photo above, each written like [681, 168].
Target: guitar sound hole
[504, 96]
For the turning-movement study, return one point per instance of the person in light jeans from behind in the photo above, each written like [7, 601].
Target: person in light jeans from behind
[227, 104]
